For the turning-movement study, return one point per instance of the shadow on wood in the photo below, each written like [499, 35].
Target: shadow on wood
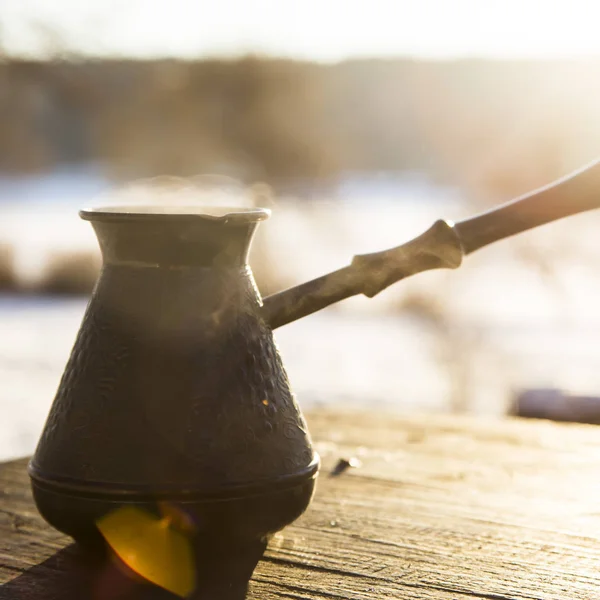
[74, 574]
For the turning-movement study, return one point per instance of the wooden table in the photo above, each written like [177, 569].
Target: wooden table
[441, 508]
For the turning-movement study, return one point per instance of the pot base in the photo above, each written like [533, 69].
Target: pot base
[244, 517]
[228, 536]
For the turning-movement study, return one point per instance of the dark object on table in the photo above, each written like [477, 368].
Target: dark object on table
[556, 405]
[344, 464]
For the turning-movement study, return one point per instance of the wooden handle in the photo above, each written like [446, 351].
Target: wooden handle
[441, 246]
[368, 274]
[568, 196]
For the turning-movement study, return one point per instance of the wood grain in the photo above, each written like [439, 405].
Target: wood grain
[441, 508]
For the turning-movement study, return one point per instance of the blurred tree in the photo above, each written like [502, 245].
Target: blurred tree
[497, 128]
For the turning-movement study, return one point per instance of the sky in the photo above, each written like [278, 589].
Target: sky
[323, 30]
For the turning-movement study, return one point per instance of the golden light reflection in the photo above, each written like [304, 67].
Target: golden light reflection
[156, 548]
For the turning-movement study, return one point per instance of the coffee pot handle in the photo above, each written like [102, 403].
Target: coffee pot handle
[443, 245]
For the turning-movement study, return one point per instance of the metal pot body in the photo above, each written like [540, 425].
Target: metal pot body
[174, 390]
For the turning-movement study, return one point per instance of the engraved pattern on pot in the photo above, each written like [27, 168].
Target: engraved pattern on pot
[151, 358]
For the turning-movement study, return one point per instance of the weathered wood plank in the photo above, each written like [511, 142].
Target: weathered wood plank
[441, 508]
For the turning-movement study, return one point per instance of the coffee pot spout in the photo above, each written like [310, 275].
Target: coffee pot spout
[443, 245]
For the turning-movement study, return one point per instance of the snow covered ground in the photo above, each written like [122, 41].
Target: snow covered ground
[522, 313]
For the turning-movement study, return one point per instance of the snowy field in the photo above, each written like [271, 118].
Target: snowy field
[520, 314]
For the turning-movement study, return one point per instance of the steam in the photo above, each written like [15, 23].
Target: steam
[205, 191]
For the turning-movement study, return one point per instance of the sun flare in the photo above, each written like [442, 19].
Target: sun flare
[311, 29]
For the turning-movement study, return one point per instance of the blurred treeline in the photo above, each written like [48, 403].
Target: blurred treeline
[501, 126]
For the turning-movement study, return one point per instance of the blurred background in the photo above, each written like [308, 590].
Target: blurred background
[358, 123]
